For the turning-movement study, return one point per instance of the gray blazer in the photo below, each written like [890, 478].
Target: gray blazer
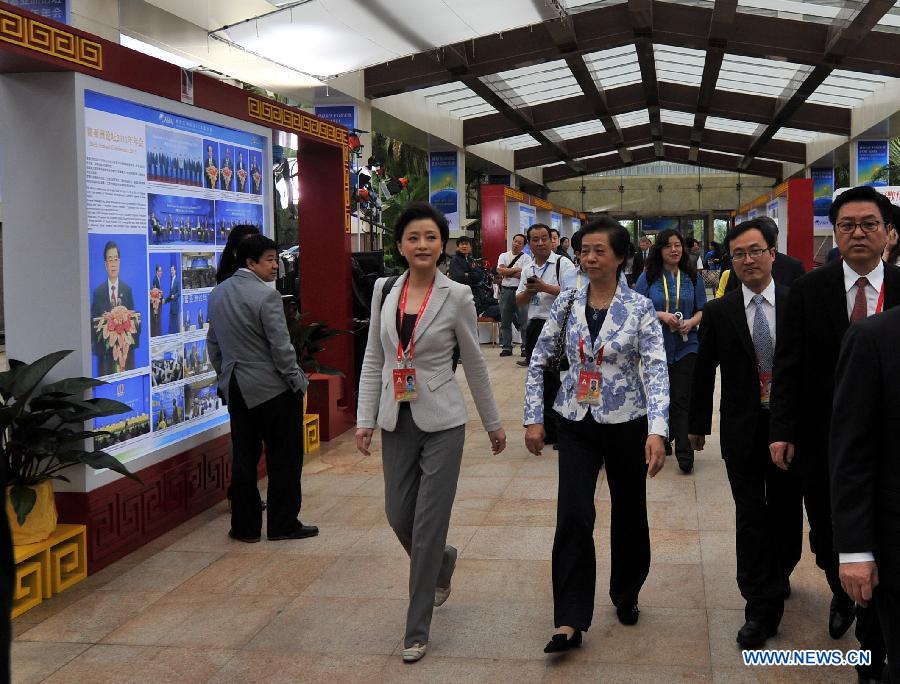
[448, 319]
[248, 337]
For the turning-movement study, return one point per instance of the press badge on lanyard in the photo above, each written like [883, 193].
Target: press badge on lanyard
[405, 385]
[589, 381]
[765, 389]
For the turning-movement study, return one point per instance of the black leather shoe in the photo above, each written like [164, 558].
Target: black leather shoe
[506, 352]
[301, 531]
[628, 614]
[246, 540]
[686, 466]
[840, 617]
[754, 634]
[868, 677]
[560, 642]
[522, 363]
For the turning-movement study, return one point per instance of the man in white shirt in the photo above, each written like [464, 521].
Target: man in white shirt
[738, 336]
[822, 305]
[539, 284]
[510, 266]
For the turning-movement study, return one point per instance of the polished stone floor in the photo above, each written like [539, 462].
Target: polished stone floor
[194, 606]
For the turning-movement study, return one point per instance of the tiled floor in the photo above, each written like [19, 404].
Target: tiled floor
[194, 606]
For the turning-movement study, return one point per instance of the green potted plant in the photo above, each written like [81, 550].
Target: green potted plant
[41, 434]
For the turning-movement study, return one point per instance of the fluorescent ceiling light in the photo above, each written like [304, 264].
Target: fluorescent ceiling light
[159, 53]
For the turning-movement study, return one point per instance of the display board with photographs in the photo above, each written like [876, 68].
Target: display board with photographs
[163, 192]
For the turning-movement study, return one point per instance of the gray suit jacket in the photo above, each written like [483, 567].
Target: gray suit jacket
[448, 319]
[248, 337]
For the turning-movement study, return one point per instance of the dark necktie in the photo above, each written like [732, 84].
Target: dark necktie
[114, 300]
[860, 305]
[762, 337]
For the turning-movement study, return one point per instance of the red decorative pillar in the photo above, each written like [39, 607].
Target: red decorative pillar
[800, 220]
[325, 279]
[493, 221]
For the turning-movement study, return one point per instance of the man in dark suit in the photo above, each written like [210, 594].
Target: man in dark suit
[174, 300]
[821, 306]
[156, 314]
[106, 296]
[865, 472]
[738, 335]
[641, 256]
[785, 270]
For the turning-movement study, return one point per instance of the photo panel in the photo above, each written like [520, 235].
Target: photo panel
[201, 398]
[196, 358]
[173, 158]
[210, 164]
[256, 172]
[167, 362]
[165, 293]
[135, 392]
[242, 170]
[173, 220]
[167, 407]
[226, 169]
[198, 270]
[120, 329]
[231, 214]
[196, 312]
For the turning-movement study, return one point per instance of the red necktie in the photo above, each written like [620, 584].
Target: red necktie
[860, 306]
[115, 303]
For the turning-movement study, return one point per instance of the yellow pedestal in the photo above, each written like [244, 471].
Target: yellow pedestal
[49, 567]
[310, 432]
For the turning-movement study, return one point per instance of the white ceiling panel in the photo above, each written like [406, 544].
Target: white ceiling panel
[579, 130]
[614, 67]
[518, 142]
[630, 119]
[536, 84]
[755, 76]
[457, 99]
[679, 65]
[847, 88]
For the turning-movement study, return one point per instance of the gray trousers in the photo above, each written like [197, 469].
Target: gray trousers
[421, 470]
[509, 312]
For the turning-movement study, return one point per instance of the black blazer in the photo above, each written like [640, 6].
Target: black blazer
[637, 266]
[806, 353]
[725, 342]
[865, 470]
[785, 270]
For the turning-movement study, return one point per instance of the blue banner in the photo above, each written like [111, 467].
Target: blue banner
[57, 10]
[872, 162]
[342, 115]
[823, 189]
[442, 180]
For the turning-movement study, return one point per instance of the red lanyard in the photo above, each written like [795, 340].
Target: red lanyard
[583, 358]
[416, 326]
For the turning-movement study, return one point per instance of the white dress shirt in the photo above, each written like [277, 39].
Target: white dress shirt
[876, 280]
[504, 261]
[768, 307]
[539, 305]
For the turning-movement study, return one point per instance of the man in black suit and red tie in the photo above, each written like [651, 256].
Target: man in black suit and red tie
[865, 472]
[109, 294]
[738, 335]
[821, 306]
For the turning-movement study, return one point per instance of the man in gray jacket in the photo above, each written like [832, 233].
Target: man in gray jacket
[258, 375]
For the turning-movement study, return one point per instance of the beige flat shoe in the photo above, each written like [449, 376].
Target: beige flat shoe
[441, 594]
[414, 653]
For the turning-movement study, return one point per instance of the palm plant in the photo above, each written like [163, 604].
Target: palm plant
[309, 338]
[42, 429]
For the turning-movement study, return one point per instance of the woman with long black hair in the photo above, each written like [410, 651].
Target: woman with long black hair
[678, 294]
[228, 263]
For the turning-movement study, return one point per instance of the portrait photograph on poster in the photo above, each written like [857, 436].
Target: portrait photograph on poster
[117, 269]
[196, 359]
[196, 312]
[166, 361]
[231, 214]
[135, 392]
[165, 293]
[198, 270]
[167, 407]
[256, 172]
[200, 398]
[211, 164]
[226, 169]
[173, 157]
[177, 220]
[242, 170]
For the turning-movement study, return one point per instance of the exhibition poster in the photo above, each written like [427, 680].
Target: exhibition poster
[442, 181]
[823, 188]
[872, 162]
[163, 192]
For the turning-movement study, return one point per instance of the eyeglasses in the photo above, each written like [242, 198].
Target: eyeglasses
[756, 253]
[850, 226]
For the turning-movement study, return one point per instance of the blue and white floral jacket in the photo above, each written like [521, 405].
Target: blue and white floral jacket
[634, 373]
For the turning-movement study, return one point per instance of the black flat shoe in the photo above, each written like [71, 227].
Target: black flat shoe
[560, 642]
[246, 540]
[300, 532]
[840, 616]
[754, 634]
[686, 466]
[628, 614]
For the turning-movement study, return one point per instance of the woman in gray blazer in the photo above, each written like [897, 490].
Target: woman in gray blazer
[407, 387]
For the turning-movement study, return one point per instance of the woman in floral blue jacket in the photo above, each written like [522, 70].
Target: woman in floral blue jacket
[613, 408]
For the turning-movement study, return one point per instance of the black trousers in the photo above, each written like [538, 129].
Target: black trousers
[276, 423]
[583, 448]
[532, 333]
[887, 606]
[768, 526]
[681, 374]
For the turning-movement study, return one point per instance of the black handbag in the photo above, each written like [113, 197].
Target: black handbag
[556, 364]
